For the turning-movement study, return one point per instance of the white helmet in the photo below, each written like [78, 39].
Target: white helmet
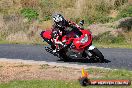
[59, 20]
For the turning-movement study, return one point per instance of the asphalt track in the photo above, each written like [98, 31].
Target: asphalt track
[115, 58]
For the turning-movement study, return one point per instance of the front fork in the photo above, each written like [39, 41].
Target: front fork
[90, 49]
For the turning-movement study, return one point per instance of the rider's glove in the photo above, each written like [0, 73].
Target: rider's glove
[64, 45]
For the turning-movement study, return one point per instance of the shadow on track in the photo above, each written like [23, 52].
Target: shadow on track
[81, 60]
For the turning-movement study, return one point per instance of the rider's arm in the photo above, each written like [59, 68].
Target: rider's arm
[56, 40]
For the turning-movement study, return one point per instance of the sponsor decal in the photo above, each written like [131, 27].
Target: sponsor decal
[85, 81]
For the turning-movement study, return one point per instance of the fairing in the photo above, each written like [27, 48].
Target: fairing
[46, 34]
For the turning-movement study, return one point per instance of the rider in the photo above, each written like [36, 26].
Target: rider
[59, 29]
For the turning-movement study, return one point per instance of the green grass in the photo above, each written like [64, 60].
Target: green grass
[99, 45]
[51, 84]
[25, 43]
[111, 74]
[107, 40]
[40, 84]
[125, 12]
[113, 45]
[4, 42]
[106, 74]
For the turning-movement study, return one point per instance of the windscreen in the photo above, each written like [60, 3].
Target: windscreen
[77, 33]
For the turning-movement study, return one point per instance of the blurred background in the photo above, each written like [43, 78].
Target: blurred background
[110, 21]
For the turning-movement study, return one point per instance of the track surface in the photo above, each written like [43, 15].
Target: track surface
[115, 58]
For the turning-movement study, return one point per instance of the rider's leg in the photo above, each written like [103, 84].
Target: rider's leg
[57, 48]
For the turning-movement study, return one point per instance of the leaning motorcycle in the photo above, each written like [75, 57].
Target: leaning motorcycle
[79, 45]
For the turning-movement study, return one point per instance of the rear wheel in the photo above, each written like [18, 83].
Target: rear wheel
[84, 54]
[63, 55]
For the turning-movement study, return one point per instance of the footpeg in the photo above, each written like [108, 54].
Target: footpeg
[48, 49]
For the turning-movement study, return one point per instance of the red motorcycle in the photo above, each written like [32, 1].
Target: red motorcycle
[79, 45]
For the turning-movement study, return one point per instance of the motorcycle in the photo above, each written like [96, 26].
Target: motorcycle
[78, 45]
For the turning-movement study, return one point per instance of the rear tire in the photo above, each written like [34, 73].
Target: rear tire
[84, 54]
[63, 55]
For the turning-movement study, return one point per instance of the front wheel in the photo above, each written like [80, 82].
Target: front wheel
[97, 55]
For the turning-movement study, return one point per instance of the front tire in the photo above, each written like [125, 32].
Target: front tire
[97, 55]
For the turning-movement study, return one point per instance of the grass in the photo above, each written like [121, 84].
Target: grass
[40, 84]
[22, 65]
[103, 45]
[107, 40]
[4, 42]
[49, 84]
[99, 45]
[25, 43]
[92, 11]
[111, 74]
[107, 74]
[44, 66]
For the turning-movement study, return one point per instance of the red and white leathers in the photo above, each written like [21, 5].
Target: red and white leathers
[58, 33]
[56, 39]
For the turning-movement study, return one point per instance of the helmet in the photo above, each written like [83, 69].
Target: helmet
[59, 20]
